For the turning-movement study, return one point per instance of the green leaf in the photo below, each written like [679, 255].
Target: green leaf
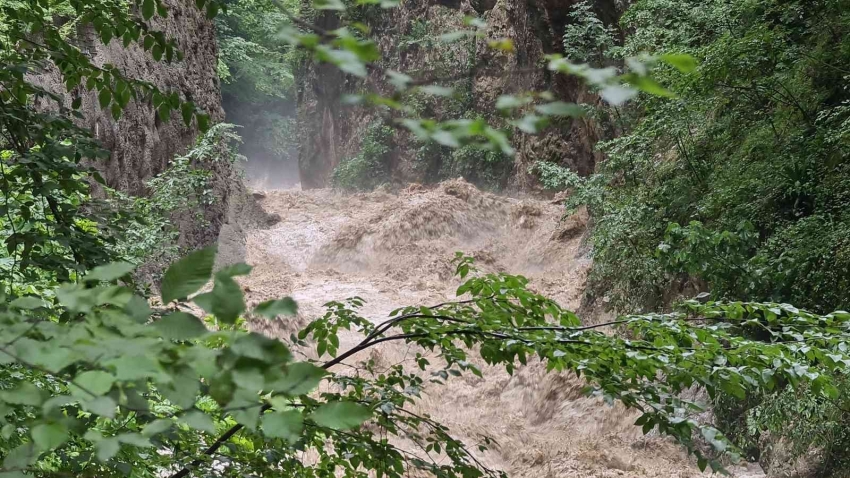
[20, 457]
[48, 436]
[260, 347]
[103, 406]
[531, 124]
[365, 50]
[92, 382]
[156, 427]
[287, 425]
[446, 138]
[13, 474]
[106, 35]
[249, 378]
[187, 109]
[830, 391]
[183, 388]
[148, 8]
[248, 417]
[454, 36]
[508, 102]
[188, 275]
[109, 272]
[681, 61]
[341, 415]
[106, 449]
[474, 21]
[134, 439]
[204, 301]
[345, 60]
[399, 80]
[212, 9]
[95, 381]
[116, 111]
[246, 407]
[104, 97]
[138, 309]
[27, 303]
[124, 97]
[240, 269]
[135, 367]
[649, 85]
[57, 402]
[560, 108]
[383, 3]
[499, 140]
[75, 297]
[181, 326]
[329, 5]
[502, 44]
[616, 94]
[199, 421]
[436, 90]
[272, 308]
[25, 394]
[203, 122]
[300, 378]
[225, 301]
[713, 437]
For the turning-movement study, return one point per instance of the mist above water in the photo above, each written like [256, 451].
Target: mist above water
[267, 172]
[268, 141]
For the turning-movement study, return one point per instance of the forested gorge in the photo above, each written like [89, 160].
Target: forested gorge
[705, 145]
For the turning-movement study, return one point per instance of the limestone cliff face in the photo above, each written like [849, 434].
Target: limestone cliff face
[407, 37]
[141, 144]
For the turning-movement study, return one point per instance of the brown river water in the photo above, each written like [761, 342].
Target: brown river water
[395, 250]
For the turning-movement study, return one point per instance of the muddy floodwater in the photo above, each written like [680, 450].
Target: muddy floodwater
[395, 250]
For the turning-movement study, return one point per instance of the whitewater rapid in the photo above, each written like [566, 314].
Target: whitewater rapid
[395, 249]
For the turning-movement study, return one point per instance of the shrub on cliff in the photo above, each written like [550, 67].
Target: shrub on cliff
[369, 168]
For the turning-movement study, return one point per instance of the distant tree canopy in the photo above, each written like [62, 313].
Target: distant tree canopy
[740, 183]
[257, 71]
[738, 187]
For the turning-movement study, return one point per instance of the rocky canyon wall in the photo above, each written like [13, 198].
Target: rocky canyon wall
[141, 144]
[409, 40]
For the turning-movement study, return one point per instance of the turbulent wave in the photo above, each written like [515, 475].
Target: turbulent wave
[395, 250]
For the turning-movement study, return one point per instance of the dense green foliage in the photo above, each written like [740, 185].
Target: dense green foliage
[257, 74]
[103, 389]
[741, 183]
[805, 422]
[52, 230]
[452, 58]
[180, 193]
[370, 167]
[586, 37]
[738, 187]
[554, 177]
